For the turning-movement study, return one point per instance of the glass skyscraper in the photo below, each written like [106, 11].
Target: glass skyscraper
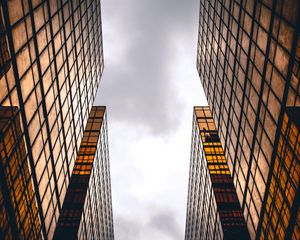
[213, 209]
[87, 208]
[51, 63]
[248, 63]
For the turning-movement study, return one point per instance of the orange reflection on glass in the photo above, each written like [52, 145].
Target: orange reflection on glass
[229, 210]
[18, 210]
[283, 186]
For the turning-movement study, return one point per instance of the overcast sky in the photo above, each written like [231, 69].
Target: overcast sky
[150, 85]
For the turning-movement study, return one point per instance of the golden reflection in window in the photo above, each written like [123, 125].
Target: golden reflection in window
[88, 147]
[18, 210]
[77, 191]
[229, 210]
[282, 218]
[212, 147]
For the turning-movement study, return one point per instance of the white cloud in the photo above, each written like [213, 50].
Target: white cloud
[150, 85]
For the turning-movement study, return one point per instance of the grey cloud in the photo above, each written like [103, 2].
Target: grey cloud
[143, 41]
[127, 229]
[137, 83]
[161, 224]
[164, 221]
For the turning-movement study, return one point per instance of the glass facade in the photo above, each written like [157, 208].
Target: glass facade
[213, 210]
[281, 217]
[18, 209]
[87, 209]
[248, 62]
[50, 68]
[4, 53]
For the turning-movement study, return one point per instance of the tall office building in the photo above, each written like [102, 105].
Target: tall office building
[87, 209]
[213, 209]
[248, 63]
[50, 68]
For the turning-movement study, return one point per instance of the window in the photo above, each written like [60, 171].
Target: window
[4, 53]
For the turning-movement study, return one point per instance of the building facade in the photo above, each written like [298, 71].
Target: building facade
[213, 209]
[87, 209]
[18, 210]
[248, 62]
[50, 68]
[282, 205]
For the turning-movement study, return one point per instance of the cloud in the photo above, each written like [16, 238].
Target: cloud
[141, 40]
[126, 228]
[160, 223]
[164, 221]
[149, 85]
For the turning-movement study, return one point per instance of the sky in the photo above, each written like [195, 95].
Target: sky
[150, 85]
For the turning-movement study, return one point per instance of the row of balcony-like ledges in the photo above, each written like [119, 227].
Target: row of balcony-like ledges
[73, 206]
[229, 209]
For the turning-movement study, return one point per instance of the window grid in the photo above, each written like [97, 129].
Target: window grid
[250, 73]
[18, 209]
[56, 66]
[87, 210]
[213, 209]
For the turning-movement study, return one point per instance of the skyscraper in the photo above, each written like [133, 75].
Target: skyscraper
[50, 68]
[87, 209]
[213, 209]
[248, 63]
